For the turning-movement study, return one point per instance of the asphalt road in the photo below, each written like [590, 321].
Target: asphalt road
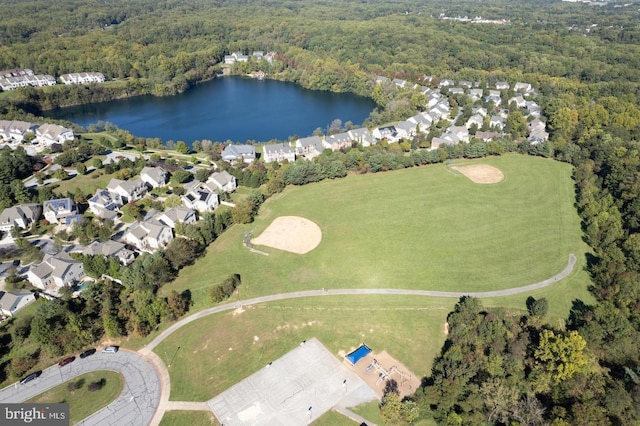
[135, 405]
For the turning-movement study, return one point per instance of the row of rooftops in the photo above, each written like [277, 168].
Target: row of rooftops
[241, 57]
[14, 131]
[23, 77]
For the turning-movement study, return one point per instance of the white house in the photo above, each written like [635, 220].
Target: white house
[243, 153]
[362, 136]
[129, 190]
[55, 271]
[48, 134]
[105, 204]
[405, 129]
[475, 94]
[223, 180]
[309, 147]
[155, 177]
[522, 87]
[446, 83]
[148, 236]
[176, 215]
[57, 211]
[110, 249]
[502, 85]
[518, 100]
[82, 78]
[10, 303]
[278, 152]
[476, 119]
[387, 132]
[14, 131]
[22, 216]
[202, 197]
[399, 82]
[496, 122]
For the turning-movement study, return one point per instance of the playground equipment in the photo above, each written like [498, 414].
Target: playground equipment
[386, 374]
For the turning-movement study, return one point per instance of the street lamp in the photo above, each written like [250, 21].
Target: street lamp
[174, 356]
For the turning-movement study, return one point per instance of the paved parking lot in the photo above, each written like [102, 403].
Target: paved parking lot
[294, 390]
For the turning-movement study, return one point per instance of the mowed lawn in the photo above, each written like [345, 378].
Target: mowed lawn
[420, 228]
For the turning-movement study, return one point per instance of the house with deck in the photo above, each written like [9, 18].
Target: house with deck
[149, 235]
[55, 271]
[110, 249]
[58, 210]
[223, 180]
[239, 153]
[309, 147]
[21, 216]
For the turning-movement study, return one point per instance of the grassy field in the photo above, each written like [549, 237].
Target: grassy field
[222, 349]
[83, 403]
[188, 418]
[420, 228]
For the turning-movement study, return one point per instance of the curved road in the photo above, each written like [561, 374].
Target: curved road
[135, 405]
[145, 396]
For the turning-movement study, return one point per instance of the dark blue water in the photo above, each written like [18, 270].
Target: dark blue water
[228, 108]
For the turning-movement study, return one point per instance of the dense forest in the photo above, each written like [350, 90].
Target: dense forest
[496, 367]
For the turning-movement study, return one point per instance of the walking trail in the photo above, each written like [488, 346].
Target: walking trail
[147, 351]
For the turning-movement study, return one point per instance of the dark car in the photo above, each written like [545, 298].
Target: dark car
[87, 353]
[31, 377]
[67, 361]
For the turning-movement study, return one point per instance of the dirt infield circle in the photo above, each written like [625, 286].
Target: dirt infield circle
[290, 233]
[481, 173]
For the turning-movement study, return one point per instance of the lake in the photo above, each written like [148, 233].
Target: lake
[227, 108]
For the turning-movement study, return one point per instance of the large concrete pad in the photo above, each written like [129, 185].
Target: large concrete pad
[294, 390]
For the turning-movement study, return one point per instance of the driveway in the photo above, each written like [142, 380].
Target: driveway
[135, 405]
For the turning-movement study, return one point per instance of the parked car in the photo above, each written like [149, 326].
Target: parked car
[31, 377]
[111, 349]
[87, 353]
[66, 361]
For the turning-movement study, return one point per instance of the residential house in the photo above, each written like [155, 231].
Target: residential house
[278, 152]
[493, 96]
[223, 180]
[422, 119]
[502, 85]
[258, 54]
[105, 204]
[129, 190]
[475, 94]
[55, 271]
[110, 249]
[441, 142]
[309, 147]
[460, 132]
[10, 303]
[362, 136]
[456, 91]
[202, 197]
[381, 80]
[399, 82]
[496, 122]
[82, 78]
[155, 177]
[149, 235]
[445, 83]
[239, 153]
[176, 215]
[518, 100]
[406, 129]
[476, 119]
[57, 211]
[15, 131]
[337, 142]
[21, 216]
[537, 131]
[48, 134]
[487, 136]
[387, 132]
[522, 88]
[116, 156]
[480, 110]
[465, 84]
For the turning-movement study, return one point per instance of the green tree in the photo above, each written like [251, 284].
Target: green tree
[182, 147]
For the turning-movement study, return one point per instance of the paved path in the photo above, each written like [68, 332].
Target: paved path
[135, 405]
[330, 292]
